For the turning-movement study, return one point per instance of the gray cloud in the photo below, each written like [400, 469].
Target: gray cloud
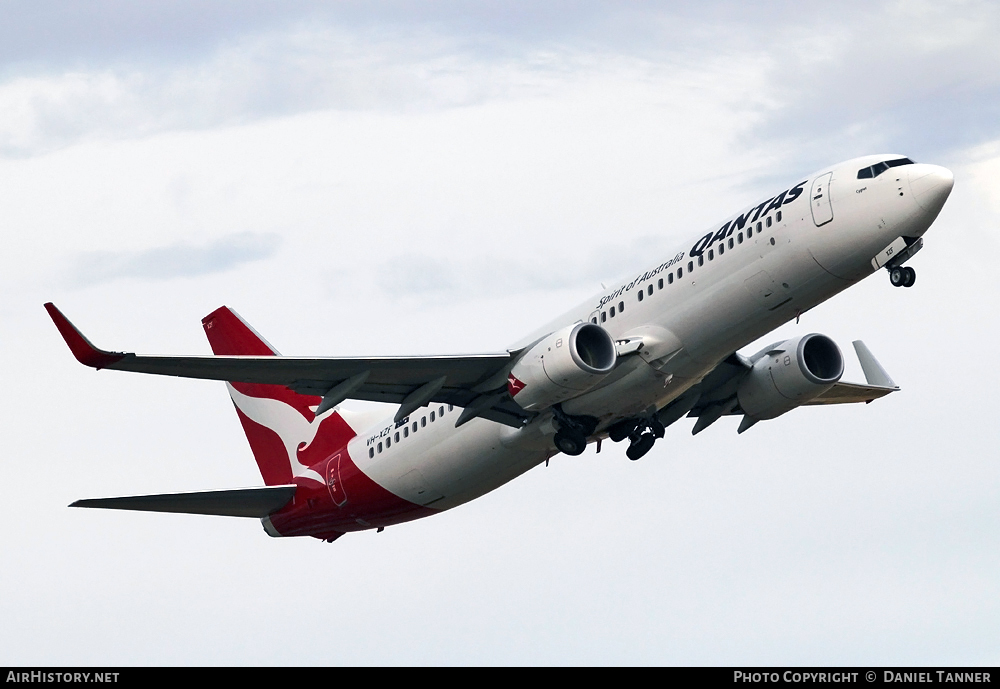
[53, 35]
[174, 261]
[298, 70]
[917, 78]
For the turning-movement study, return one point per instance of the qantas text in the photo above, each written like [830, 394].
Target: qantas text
[732, 225]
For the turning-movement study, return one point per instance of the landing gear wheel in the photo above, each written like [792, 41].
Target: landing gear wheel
[622, 430]
[570, 443]
[909, 277]
[640, 446]
[897, 276]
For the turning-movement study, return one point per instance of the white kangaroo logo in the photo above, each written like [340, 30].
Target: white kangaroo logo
[289, 424]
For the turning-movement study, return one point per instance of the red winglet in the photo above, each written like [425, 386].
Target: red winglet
[82, 349]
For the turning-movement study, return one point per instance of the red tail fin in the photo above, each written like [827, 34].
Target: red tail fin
[284, 433]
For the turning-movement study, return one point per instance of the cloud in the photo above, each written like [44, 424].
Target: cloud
[301, 69]
[419, 275]
[918, 78]
[174, 261]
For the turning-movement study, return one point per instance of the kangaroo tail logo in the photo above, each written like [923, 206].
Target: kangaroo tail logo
[285, 435]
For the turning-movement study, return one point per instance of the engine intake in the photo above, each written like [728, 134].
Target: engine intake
[562, 365]
[790, 374]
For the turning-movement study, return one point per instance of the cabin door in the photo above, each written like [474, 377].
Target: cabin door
[819, 200]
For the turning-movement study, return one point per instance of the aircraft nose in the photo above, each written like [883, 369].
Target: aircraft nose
[930, 186]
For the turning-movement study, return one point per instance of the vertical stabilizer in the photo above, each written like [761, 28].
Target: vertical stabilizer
[285, 434]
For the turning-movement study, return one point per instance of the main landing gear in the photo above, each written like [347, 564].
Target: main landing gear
[902, 276]
[573, 431]
[642, 433]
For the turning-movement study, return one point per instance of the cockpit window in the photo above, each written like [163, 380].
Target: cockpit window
[878, 168]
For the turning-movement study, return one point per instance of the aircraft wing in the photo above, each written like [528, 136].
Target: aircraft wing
[717, 391]
[879, 382]
[477, 381]
[846, 393]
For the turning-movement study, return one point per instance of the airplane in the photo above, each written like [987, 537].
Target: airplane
[658, 345]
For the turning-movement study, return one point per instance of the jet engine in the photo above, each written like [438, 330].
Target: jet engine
[562, 365]
[790, 374]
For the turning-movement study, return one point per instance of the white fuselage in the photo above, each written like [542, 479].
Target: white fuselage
[722, 290]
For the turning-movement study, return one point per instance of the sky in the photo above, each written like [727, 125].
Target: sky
[444, 177]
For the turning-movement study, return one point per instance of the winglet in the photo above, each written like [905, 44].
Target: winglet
[85, 352]
[874, 373]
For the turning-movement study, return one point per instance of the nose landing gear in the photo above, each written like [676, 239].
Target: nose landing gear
[902, 276]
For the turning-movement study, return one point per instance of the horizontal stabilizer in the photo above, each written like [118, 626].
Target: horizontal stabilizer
[241, 502]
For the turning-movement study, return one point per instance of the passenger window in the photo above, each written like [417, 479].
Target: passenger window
[621, 307]
[650, 289]
[722, 248]
[380, 448]
[660, 283]
[594, 319]
[604, 316]
[432, 416]
[450, 407]
[701, 260]
[690, 266]
[388, 443]
[739, 238]
[640, 295]
[440, 411]
[730, 242]
[758, 227]
[769, 221]
[406, 431]
[414, 426]
[777, 216]
[612, 311]
[670, 279]
[371, 452]
[680, 273]
[423, 420]
[711, 254]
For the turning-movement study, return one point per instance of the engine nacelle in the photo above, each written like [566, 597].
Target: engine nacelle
[790, 374]
[563, 365]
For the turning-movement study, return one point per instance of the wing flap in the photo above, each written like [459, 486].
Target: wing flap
[241, 502]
